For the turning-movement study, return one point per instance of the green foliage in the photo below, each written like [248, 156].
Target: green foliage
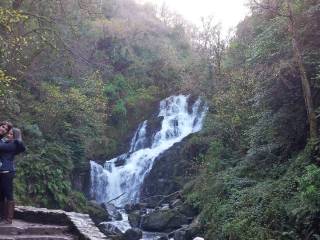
[128, 104]
[9, 19]
[257, 178]
[78, 84]
[117, 88]
[45, 174]
[119, 111]
[309, 187]
[241, 207]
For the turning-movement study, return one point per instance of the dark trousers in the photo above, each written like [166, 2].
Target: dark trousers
[6, 186]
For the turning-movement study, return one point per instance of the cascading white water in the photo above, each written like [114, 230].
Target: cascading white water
[111, 180]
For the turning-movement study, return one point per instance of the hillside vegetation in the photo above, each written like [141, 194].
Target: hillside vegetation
[78, 76]
[259, 177]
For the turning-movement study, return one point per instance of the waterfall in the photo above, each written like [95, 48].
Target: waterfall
[124, 175]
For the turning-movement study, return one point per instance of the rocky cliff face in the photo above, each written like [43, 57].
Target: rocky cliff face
[81, 180]
[171, 170]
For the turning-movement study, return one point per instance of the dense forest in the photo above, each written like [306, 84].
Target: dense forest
[77, 77]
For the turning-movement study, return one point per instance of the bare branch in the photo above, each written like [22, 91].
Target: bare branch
[270, 8]
[164, 197]
[116, 198]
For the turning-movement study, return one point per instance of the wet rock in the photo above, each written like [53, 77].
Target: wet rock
[135, 206]
[153, 126]
[108, 228]
[169, 173]
[97, 213]
[163, 238]
[165, 207]
[176, 203]
[172, 169]
[80, 180]
[187, 232]
[180, 234]
[186, 210]
[133, 234]
[121, 160]
[112, 211]
[134, 218]
[191, 100]
[171, 235]
[153, 201]
[163, 220]
[184, 233]
[116, 237]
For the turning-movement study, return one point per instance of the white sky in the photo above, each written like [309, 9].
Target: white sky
[228, 12]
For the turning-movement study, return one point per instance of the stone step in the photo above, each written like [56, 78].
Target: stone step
[81, 224]
[21, 227]
[37, 237]
[40, 230]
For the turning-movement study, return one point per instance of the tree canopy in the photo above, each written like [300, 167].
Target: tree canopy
[78, 77]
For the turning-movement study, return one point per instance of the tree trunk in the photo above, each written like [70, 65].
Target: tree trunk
[304, 78]
[16, 4]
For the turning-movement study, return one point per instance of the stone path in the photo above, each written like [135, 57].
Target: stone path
[34, 231]
[32, 223]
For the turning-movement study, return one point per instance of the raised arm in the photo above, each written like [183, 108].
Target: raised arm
[15, 147]
[8, 147]
[19, 146]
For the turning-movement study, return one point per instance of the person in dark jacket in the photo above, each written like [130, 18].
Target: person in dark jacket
[8, 149]
[5, 127]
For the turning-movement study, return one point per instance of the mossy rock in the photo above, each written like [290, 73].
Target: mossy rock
[97, 213]
[163, 220]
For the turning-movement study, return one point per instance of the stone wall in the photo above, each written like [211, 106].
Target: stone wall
[80, 224]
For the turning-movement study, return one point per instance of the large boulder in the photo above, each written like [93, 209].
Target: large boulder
[112, 211]
[163, 220]
[132, 234]
[170, 171]
[134, 206]
[187, 232]
[134, 218]
[97, 213]
[163, 238]
[108, 228]
[180, 234]
[184, 208]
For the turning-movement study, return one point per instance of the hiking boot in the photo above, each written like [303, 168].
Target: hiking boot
[9, 211]
[2, 208]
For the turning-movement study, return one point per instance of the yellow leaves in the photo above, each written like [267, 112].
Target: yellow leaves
[11, 47]
[97, 27]
[5, 81]
[10, 17]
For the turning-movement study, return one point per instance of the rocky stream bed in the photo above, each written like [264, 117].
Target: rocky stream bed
[172, 219]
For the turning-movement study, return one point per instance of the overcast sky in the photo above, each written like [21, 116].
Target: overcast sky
[228, 12]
